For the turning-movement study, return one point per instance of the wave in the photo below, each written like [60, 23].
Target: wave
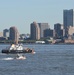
[8, 58]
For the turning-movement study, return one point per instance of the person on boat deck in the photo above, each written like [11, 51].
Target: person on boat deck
[27, 49]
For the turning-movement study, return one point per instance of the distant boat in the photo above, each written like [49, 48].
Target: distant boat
[40, 42]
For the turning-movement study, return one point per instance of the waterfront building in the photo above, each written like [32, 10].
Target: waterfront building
[6, 33]
[1, 34]
[59, 31]
[24, 36]
[43, 26]
[48, 33]
[35, 31]
[14, 34]
[71, 32]
[68, 20]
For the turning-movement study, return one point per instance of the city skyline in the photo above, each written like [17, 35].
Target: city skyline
[22, 13]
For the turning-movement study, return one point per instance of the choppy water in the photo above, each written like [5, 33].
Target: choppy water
[48, 60]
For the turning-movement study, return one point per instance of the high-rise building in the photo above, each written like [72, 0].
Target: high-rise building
[35, 31]
[48, 33]
[70, 32]
[43, 26]
[6, 33]
[68, 19]
[59, 31]
[1, 34]
[14, 35]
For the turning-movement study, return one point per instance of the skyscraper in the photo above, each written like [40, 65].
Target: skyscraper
[43, 26]
[14, 35]
[68, 19]
[35, 31]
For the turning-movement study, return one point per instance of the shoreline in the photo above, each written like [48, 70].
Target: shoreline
[39, 43]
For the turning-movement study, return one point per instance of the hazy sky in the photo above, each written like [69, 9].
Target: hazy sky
[21, 13]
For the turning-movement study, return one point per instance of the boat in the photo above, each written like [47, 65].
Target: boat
[20, 57]
[17, 49]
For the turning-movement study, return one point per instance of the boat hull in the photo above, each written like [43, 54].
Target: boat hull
[16, 51]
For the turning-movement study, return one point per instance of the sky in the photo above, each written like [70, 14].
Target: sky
[21, 13]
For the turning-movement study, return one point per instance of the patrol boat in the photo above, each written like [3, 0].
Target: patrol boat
[17, 49]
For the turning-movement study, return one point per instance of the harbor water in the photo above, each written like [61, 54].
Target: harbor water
[48, 60]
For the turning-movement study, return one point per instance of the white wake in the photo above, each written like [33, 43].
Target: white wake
[9, 58]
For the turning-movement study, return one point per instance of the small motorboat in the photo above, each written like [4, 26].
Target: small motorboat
[21, 57]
